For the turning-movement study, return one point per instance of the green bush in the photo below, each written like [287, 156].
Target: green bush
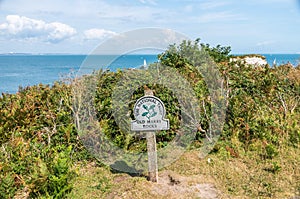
[40, 142]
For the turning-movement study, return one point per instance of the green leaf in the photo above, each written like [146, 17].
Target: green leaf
[153, 114]
[152, 106]
[145, 107]
[144, 114]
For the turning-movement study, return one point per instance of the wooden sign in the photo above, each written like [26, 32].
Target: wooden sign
[149, 113]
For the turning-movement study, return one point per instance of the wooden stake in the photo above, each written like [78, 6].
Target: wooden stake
[152, 156]
[151, 148]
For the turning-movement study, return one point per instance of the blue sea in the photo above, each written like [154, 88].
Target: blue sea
[24, 70]
[27, 70]
[279, 59]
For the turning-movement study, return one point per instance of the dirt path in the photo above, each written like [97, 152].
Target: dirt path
[172, 185]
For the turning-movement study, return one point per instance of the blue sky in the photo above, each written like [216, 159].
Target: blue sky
[78, 26]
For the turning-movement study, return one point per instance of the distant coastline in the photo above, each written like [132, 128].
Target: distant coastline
[25, 69]
[280, 58]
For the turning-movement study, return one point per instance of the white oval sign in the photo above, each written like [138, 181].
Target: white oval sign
[149, 113]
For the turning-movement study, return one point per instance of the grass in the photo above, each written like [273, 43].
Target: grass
[99, 182]
[244, 177]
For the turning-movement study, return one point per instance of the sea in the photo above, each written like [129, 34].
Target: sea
[21, 70]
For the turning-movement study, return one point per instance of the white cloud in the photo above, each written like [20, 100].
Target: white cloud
[98, 34]
[265, 43]
[24, 28]
[152, 2]
[188, 8]
[128, 14]
[212, 4]
[218, 17]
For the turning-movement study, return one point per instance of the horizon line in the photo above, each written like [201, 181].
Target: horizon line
[82, 54]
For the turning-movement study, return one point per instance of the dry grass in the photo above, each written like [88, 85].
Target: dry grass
[191, 177]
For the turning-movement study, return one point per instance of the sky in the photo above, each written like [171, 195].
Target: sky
[79, 26]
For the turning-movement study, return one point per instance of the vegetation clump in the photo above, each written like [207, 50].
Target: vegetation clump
[40, 143]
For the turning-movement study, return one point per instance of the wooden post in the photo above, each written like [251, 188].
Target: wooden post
[152, 156]
[151, 148]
